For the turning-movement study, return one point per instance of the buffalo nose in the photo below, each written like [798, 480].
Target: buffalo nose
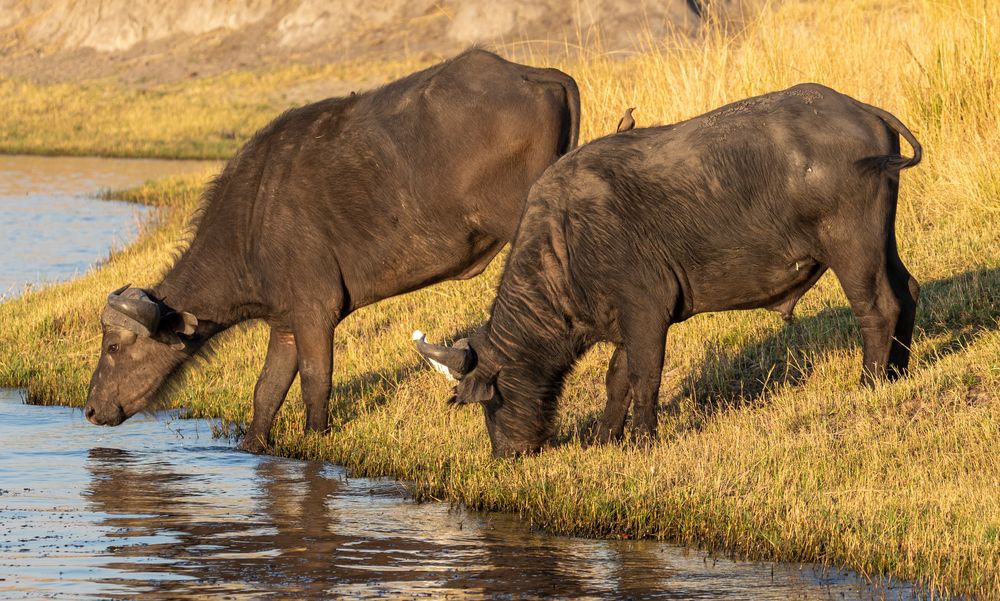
[89, 413]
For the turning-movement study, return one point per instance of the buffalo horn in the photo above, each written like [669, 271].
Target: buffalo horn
[456, 361]
[137, 306]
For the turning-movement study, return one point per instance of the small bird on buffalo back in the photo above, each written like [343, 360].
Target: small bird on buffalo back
[627, 122]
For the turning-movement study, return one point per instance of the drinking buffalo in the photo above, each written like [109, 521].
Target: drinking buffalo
[743, 207]
[334, 206]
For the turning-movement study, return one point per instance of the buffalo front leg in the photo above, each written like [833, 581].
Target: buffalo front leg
[315, 346]
[280, 367]
[611, 427]
[644, 342]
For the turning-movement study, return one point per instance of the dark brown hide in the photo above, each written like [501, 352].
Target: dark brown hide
[740, 208]
[342, 203]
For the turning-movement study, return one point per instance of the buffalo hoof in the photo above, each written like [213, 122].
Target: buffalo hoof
[643, 437]
[254, 443]
[871, 379]
[600, 434]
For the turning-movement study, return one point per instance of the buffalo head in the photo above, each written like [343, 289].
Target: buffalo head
[144, 343]
[515, 410]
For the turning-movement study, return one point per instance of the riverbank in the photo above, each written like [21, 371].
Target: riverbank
[767, 448]
[199, 118]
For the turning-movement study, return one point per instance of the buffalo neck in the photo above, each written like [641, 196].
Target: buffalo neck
[535, 341]
[210, 279]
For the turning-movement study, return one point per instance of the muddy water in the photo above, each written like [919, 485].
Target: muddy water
[158, 508]
[52, 227]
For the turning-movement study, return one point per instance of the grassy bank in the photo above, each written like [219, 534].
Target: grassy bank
[208, 117]
[767, 447]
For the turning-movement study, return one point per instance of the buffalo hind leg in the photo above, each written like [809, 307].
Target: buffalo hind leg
[314, 338]
[611, 427]
[907, 292]
[280, 367]
[868, 287]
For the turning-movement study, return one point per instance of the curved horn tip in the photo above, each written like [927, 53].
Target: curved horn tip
[137, 307]
[453, 361]
[120, 290]
[418, 336]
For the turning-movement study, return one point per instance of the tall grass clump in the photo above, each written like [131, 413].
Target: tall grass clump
[768, 449]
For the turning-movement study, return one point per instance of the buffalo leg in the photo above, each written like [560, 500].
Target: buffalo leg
[907, 291]
[867, 283]
[315, 346]
[275, 379]
[612, 424]
[644, 342]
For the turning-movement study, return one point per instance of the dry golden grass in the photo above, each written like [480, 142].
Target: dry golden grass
[767, 447]
[201, 118]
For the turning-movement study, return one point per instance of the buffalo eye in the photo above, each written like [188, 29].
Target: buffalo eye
[113, 348]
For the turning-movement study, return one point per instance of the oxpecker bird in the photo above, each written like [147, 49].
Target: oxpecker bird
[627, 122]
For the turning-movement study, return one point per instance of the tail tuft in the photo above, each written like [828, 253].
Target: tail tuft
[891, 163]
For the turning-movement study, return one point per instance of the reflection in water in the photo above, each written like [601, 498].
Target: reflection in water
[49, 229]
[158, 508]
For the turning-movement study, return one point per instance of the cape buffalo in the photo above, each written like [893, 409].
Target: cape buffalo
[743, 207]
[334, 206]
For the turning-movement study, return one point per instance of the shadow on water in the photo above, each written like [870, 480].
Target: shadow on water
[953, 311]
[330, 536]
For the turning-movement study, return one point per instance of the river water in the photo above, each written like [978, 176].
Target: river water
[158, 508]
[51, 226]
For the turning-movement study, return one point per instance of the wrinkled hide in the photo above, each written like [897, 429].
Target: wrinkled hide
[334, 206]
[743, 207]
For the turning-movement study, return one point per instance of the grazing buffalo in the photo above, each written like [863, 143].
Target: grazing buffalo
[334, 206]
[740, 208]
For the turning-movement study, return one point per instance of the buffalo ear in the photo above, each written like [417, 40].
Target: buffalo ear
[475, 388]
[180, 322]
[175, 324]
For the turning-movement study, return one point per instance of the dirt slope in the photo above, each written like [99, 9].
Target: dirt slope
[52, 40]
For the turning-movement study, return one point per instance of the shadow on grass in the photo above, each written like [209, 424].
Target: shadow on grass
[375, 387]
[952, 312]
